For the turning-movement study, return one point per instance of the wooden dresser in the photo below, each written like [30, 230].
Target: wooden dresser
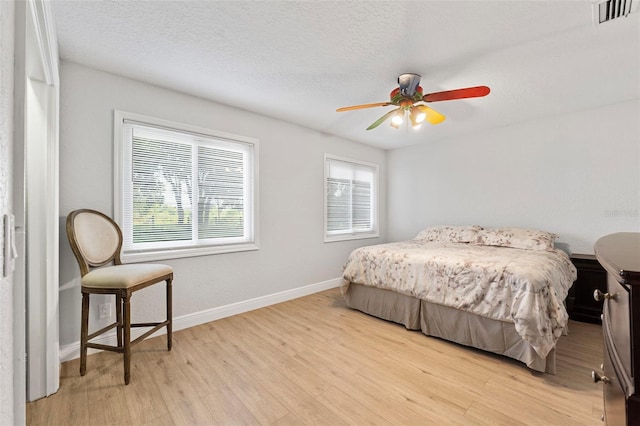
[619, 254]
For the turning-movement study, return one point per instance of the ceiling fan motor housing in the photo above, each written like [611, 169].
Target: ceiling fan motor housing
[408, 83]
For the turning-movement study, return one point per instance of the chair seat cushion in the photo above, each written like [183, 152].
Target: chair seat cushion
[125, 276]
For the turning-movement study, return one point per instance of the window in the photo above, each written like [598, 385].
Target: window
[350, 199]
[183, 191]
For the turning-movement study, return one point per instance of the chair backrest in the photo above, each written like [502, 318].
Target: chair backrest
[95, 239]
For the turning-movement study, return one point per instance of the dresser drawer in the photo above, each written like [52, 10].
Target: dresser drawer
[619, 255]
[614, 395]
[617, 323]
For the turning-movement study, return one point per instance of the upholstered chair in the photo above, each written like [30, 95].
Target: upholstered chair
[96, 241]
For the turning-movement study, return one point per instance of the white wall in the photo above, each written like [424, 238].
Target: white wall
[7, 26]
[577, 175]
[292, 253]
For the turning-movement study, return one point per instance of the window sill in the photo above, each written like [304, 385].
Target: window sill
[348, 237]
[177, 253]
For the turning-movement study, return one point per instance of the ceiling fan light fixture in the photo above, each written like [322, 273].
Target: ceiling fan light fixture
[397, 119]
[431, 115]
[415, 124]
[417, 116]
[394, 125]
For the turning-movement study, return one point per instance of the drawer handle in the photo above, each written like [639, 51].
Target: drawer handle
[598, 295]
[598, 378]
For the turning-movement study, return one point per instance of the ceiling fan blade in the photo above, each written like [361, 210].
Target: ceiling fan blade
[380, 120]
[469, 92]
[351, 108]
[432, 116]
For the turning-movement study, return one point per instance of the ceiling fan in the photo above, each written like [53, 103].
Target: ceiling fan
[408, 98]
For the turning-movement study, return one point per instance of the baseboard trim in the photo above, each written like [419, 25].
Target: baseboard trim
[72, 350]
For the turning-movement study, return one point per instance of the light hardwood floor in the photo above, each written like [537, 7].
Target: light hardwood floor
[314, 361]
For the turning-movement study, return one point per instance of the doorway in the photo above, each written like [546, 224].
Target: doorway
[35, 201]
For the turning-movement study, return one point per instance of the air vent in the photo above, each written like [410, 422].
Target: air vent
[610, 9]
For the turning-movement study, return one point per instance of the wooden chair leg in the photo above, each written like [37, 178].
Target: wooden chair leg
[84, 333]
[126, 328]
[169, 315]
[119, 318]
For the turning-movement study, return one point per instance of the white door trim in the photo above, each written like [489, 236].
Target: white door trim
[36, 203]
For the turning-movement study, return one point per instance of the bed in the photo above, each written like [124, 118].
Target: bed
[501, 289]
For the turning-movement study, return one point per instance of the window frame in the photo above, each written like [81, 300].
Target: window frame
[122, 148]
[375, 232]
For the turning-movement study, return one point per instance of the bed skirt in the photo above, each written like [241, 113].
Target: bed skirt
[461, 327]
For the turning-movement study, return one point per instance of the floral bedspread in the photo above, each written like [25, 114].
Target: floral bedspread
[525, 287]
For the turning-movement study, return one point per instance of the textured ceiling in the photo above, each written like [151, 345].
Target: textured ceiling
[300, 60]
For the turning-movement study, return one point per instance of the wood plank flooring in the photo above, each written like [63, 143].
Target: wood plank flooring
[314, 361]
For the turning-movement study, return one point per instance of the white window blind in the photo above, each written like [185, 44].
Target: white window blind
[351, 199]
[183, 192]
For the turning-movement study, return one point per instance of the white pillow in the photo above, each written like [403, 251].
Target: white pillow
[449, 234]
[526, 239]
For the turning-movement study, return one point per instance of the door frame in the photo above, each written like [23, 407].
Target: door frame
[36, 205]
